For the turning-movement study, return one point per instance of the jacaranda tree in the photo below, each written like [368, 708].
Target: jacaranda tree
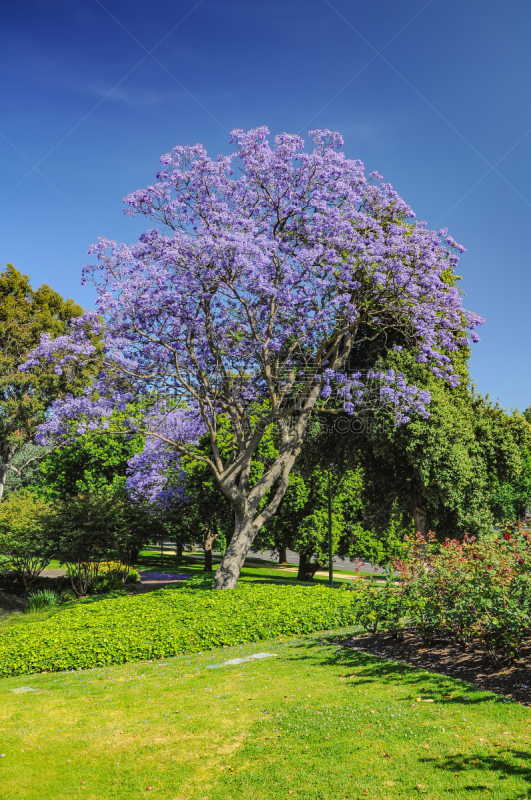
[25, 398]
[267, 269]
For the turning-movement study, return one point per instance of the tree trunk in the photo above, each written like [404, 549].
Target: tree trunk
[228, 571]
[133, 555]
[208, 541]
[179, 550]
[6, 456]
[282, 555]
[3, 476]
[307, 569]
[419, 512]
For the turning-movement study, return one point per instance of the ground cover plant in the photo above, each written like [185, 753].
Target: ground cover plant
[184, 619]
[256, 570]
[315, 721]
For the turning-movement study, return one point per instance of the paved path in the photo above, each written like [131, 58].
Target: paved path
[338, 563]
[268, 557]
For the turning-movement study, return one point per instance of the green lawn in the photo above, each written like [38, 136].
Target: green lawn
[254, 568]
[316, 722]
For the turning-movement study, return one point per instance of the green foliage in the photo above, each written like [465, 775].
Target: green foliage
[204, 512]
[448, 466]
[301, 522]
[26, 472]
[93, 463]
[43, 598]
[476, 593]
[26, 526]
[95, 529]
[377, 607]
[103, 576]
[169, 622]
[511, 499]
[26, 396]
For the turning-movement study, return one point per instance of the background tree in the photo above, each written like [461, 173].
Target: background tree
[511, 498]
[441, 472]
[302, 521]
[25, 397]
[259, 288]
[93, 463]
[26, 544]
[205, 513]
[94, 529]
[25, 471]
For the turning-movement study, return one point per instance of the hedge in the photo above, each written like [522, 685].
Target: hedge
[168, 623]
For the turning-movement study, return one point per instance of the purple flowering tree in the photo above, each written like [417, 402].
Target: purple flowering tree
[263, 273]
[155, 475]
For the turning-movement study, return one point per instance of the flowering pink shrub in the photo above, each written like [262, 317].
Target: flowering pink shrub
[475, 592]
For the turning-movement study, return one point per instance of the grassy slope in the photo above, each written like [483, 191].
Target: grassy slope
[191, 732]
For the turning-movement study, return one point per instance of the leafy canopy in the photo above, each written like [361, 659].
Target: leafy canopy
[26, 314]
[258, 287]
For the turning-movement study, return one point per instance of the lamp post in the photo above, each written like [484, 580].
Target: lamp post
[330, 556]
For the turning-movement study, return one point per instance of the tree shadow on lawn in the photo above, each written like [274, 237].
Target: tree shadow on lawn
[503, 765]
[169, 563]
[376, 670]
[448, 692]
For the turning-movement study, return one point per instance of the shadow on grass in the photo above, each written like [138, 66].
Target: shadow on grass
[169, 563]
[503, 765]
[376, 668]
[256, 571]
[506, 763]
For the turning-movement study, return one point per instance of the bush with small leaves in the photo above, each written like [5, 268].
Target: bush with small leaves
[476, 592]
[26, 546]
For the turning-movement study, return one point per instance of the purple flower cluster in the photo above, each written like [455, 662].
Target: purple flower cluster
[262, 271]
[154, 473]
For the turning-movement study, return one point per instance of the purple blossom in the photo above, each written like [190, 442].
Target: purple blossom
[261, 272]
[153, 474]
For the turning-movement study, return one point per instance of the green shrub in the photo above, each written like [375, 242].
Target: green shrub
[473, 591]
[43, 598]
[476, 593]
[26, 523]
[100, 577]
[379, 607]
[169, 622]
[94, 529]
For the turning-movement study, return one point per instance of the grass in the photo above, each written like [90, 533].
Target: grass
[253, 569]
[315, 722]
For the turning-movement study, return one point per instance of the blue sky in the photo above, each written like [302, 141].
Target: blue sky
[434, 95]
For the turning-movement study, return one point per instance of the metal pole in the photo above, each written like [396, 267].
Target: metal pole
[330, 564]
